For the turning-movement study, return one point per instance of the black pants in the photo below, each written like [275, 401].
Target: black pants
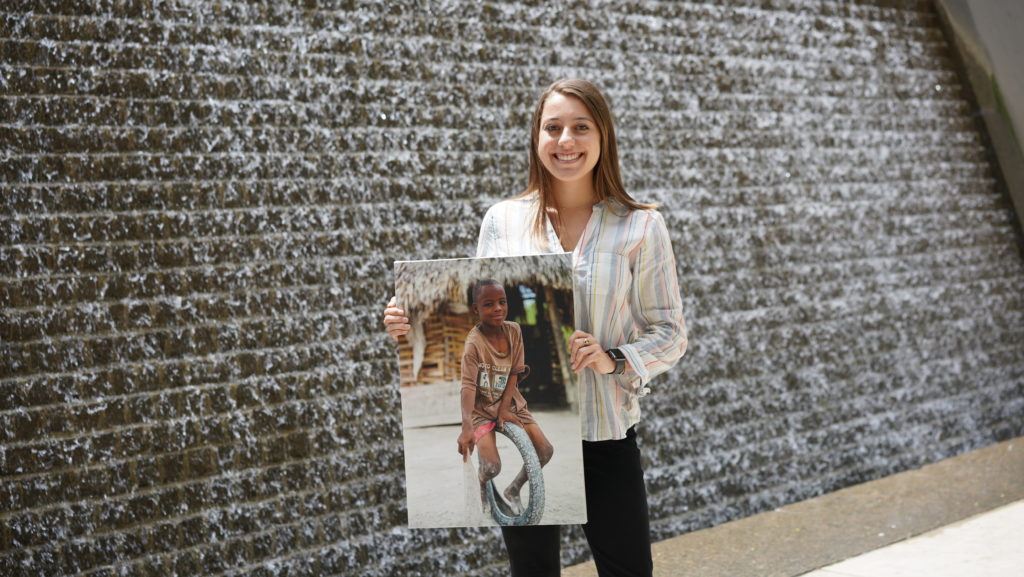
[617, 528]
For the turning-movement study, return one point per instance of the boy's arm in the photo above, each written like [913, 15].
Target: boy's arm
[468, 402]
[470, 368]
[470, 371]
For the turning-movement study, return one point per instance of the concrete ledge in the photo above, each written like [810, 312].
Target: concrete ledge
[804, 536]
[970, 46]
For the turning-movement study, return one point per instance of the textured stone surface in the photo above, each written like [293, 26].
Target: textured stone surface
[202, 203]
[799, 537]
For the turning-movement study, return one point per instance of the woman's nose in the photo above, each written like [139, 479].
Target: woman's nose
[566, 137]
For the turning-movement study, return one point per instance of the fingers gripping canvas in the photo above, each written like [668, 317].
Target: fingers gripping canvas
[490, 409]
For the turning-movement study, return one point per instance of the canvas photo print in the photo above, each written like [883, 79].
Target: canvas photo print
[490, 410]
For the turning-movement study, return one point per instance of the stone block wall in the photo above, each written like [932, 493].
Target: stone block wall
[201, 202]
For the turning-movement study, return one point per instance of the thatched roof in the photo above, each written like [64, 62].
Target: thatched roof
[424, 285]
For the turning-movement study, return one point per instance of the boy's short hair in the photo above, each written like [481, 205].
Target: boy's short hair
[480, 284]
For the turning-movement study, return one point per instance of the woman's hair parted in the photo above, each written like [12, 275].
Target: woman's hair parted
[606, 174]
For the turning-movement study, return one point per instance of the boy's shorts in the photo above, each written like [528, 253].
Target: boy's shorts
[483, 430]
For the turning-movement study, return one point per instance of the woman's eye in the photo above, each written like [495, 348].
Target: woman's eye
[583, 128]
[550, 127]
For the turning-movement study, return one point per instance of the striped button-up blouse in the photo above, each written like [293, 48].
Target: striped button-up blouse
[626, 293]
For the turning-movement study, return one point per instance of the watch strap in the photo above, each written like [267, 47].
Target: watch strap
[620, 361]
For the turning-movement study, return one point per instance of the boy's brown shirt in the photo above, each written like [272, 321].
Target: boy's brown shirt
[486, 370]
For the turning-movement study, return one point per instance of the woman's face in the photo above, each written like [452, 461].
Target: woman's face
[569, 143]
[491, 305]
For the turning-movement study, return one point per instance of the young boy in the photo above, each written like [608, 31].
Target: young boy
[492, 367]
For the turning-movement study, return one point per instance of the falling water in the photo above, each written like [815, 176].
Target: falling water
[202, 201]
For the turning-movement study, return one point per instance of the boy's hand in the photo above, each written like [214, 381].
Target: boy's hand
[505, 415]
[466, 444]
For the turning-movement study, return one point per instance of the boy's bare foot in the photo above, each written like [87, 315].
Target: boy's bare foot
[511, 495]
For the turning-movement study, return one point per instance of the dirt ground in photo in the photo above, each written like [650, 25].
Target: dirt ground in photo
[441, 495]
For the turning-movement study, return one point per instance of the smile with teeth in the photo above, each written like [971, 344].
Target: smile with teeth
[568, 157]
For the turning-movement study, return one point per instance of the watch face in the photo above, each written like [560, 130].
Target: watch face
[620, 361]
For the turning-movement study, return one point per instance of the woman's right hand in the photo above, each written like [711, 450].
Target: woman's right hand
[395, 321]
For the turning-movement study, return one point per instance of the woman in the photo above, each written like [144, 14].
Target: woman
[628, 313]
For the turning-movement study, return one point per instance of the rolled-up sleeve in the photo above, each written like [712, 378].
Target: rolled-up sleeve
[656, 305]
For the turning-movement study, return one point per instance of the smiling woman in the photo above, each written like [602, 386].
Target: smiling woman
[572, 118]
[569, 144]
[627, 309]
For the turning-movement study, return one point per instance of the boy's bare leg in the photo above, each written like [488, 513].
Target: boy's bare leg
[490, 465]
[544, 453]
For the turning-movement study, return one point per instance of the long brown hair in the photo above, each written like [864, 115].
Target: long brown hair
[606, 176]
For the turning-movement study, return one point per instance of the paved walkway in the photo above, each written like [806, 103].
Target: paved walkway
[946, 519]
[986, 545]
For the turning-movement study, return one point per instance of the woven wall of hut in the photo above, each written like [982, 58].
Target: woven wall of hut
[445, 336]
[200, 203]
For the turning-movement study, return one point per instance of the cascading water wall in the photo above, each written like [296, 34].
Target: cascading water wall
[201, 203]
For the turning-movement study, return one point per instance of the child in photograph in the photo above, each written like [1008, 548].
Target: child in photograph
[492, 368]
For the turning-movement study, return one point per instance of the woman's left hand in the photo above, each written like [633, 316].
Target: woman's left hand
[585, 352]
